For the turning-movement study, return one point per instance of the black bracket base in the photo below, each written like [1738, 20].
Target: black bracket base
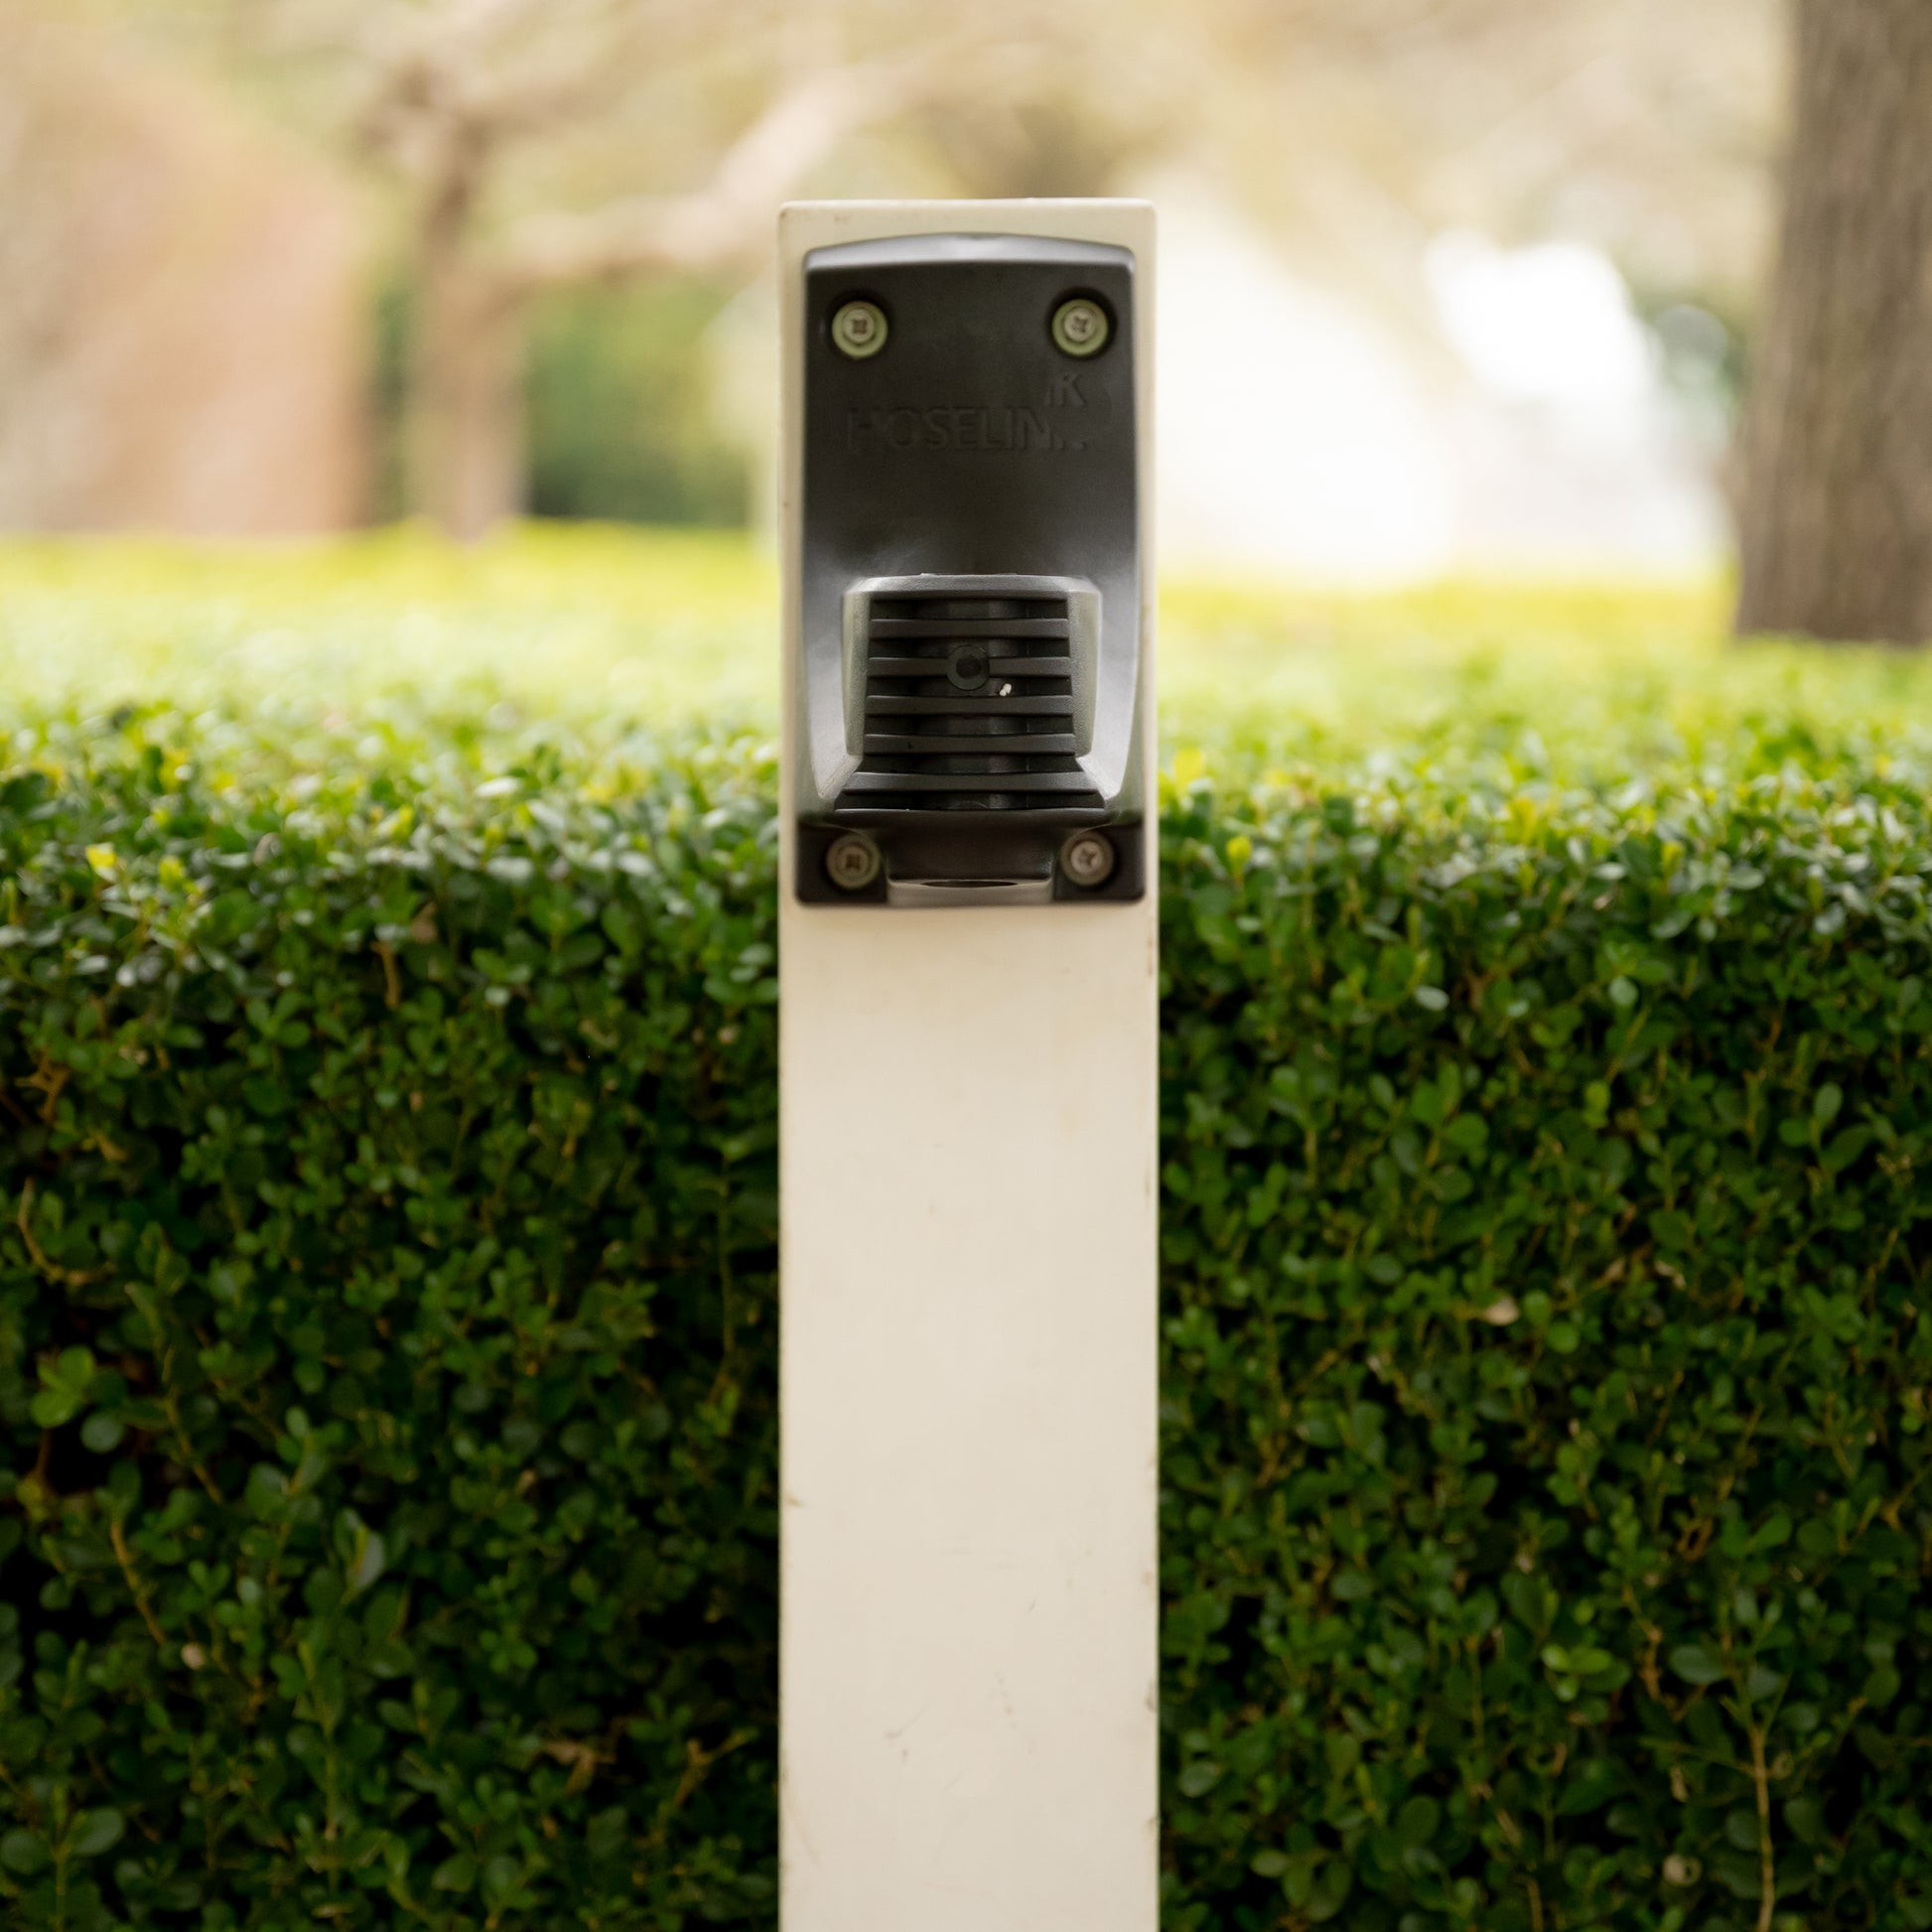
[1012, 859]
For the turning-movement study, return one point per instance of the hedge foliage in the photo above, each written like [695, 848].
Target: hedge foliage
[386, 1355]
[386, 1341]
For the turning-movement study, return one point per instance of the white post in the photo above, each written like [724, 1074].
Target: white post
[968, 1173]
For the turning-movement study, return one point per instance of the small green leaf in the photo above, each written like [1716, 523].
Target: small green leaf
[1416, 1822]
[24, 1851]
[55, 1408]
[1697, 1665]
[499, 1877]
[1332, 1885]
[102, 1432]
[457, 1874]
[1806, 1819]
[1588, 1787]
[95, 1832]
[1882, 1686]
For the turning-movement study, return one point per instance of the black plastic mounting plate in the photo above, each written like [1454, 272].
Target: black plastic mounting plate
[971, 445]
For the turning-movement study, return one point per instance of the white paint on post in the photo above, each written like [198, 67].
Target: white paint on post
[968, 1173]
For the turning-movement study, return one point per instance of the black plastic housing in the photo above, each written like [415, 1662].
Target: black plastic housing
[971, 678]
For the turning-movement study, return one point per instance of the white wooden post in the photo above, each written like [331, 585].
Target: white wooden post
[968, 1173]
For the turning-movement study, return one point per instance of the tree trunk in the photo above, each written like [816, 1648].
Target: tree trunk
[468, 432]
[1837, 500]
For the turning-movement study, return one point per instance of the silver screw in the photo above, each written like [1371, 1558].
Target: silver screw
[859, 328]
[852, 861]
[1087, 859]
[1080, 326]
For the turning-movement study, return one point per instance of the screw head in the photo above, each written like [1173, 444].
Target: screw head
[1080, 326]
[858, 330]
[852, 861]
[1087, 859]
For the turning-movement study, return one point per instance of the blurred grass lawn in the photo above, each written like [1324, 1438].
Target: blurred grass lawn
[606, 631]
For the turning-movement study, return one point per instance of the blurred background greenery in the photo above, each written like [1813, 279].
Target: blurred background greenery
[1451, 290]
[595, 633]
[623, 422]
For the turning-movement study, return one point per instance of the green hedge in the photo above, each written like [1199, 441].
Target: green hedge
[386, 1342]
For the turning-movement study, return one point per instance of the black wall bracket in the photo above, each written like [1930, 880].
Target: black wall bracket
[971, 680]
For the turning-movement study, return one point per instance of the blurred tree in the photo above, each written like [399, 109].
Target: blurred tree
[1836, 510]
[530, 137]
[1365, 128]
[624, 417]
[182, 330]
[546, 146]
[621, 415]
[458, 92]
